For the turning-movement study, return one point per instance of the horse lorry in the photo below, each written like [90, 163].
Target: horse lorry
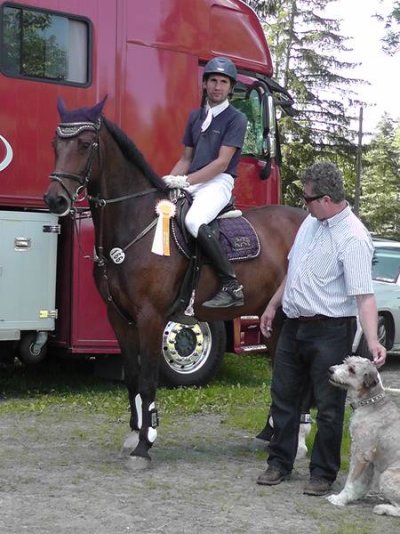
[147, 56]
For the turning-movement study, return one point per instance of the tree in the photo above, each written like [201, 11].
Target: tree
[381, 181]
[391, 40]
[306, 46]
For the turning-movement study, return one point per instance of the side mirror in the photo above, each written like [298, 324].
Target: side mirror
[270, 133]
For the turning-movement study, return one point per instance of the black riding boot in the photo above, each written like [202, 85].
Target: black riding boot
[231, 293]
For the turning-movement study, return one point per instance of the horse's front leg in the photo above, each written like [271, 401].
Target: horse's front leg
[145, 415]
[128, 340]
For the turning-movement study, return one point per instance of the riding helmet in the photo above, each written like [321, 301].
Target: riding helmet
[220, 65]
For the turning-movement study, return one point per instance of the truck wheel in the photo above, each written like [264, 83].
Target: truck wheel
[27, 352]
[362, 349]
[191, 354]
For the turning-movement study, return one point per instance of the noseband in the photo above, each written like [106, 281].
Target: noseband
[69, 130]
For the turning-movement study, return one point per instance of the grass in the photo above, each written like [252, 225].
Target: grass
[240, 392]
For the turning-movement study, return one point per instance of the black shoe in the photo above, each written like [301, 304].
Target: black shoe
[272, 477]
[317, 486]
[231, 294]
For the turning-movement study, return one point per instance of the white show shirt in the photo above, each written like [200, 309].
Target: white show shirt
[329, 264]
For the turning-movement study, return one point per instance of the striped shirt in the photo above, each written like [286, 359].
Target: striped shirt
[329, 264]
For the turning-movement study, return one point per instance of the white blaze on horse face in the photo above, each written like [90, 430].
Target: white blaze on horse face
[139, 409]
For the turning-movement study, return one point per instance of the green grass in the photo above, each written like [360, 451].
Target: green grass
[240, 392]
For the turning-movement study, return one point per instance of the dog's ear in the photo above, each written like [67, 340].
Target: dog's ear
[371, 378]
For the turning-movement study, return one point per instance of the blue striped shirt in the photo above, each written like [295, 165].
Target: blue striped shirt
[329, 264]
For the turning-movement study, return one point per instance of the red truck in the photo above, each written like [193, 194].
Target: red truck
[147, 56]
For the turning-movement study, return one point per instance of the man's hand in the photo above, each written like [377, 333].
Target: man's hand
[176, 182]
[378, 352]
[266, 320]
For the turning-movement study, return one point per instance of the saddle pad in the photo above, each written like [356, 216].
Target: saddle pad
[237, 237]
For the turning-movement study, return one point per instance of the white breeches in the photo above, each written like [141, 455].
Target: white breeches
[209, 198]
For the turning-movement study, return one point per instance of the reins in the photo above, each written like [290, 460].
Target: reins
[69, 130]
[73, 129]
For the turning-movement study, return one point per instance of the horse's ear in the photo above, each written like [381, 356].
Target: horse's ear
[61, 107]
[98, 108]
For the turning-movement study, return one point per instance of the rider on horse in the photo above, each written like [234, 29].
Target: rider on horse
[213, 141]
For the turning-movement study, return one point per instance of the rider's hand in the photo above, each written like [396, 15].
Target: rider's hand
[176, 182]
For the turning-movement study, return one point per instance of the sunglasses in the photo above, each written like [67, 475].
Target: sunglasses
[307, 199]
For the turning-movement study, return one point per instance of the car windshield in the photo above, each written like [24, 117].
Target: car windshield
[386, 264]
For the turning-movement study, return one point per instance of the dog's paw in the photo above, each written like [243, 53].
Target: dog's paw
[336, 500]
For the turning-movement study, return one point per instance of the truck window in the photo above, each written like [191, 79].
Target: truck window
[249, 102]
[44, 46]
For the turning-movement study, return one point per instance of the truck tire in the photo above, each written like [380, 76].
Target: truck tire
[362, 349]
[192, 354]
[26, 351]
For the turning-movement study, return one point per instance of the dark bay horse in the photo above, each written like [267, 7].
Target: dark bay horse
[93, 157]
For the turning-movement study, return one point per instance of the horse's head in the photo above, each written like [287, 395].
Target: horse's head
[75, 145]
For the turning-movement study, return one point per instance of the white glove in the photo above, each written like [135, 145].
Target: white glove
[176, 182]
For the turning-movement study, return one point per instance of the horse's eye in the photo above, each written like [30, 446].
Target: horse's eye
[85, 144]
[352, 371]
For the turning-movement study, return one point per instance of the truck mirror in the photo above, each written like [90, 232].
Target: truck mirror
[269, 119]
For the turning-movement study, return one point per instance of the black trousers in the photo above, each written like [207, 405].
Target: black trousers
[305, 351]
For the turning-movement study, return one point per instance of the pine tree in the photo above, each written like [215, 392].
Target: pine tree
[305, 46]
[381, 181]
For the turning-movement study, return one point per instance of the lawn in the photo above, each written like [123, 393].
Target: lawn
[240, 392]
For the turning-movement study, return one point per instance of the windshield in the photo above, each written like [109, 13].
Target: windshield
[386, 264]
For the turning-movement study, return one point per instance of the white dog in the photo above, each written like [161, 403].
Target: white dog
[375, 434]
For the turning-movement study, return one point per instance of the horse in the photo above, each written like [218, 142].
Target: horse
[95, 159]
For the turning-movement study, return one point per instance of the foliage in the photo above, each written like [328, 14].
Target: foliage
[32, 44]
[381, 181]
[305, 47]
[391, 40]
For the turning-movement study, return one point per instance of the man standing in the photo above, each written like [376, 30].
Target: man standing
[329, 280]
[213, 141]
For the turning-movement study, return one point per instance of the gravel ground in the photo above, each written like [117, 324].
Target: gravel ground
[61, 472]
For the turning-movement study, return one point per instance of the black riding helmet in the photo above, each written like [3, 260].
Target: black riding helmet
[220, 65]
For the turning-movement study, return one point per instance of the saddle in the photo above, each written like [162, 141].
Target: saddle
[236, 235]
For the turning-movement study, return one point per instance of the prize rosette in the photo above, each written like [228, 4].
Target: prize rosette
[165, 209]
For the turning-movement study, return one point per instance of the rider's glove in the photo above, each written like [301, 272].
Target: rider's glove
[176, 182]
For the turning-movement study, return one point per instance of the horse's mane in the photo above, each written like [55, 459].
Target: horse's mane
[133, 154]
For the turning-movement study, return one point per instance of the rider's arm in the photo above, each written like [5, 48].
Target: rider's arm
[218, 165]
[181, 167]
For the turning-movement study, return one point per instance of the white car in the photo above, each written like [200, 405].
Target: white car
[386, 275]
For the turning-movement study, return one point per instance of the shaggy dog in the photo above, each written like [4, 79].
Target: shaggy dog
[375, 434]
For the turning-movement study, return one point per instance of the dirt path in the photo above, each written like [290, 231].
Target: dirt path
[60, 473]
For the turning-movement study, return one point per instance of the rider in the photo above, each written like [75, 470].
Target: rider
[213, 141]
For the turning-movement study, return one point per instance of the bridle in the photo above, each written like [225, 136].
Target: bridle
[73, 129]
[68, 130]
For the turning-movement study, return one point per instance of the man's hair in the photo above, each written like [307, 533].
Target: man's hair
[325, 179]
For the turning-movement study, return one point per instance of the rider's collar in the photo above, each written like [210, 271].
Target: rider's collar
[216, 110]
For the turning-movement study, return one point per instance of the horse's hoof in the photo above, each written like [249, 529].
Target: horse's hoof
[137, 463]
[130, 444]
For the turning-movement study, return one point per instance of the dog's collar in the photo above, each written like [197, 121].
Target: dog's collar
[367, 402]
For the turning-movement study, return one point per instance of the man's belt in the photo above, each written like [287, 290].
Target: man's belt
[320, 317]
